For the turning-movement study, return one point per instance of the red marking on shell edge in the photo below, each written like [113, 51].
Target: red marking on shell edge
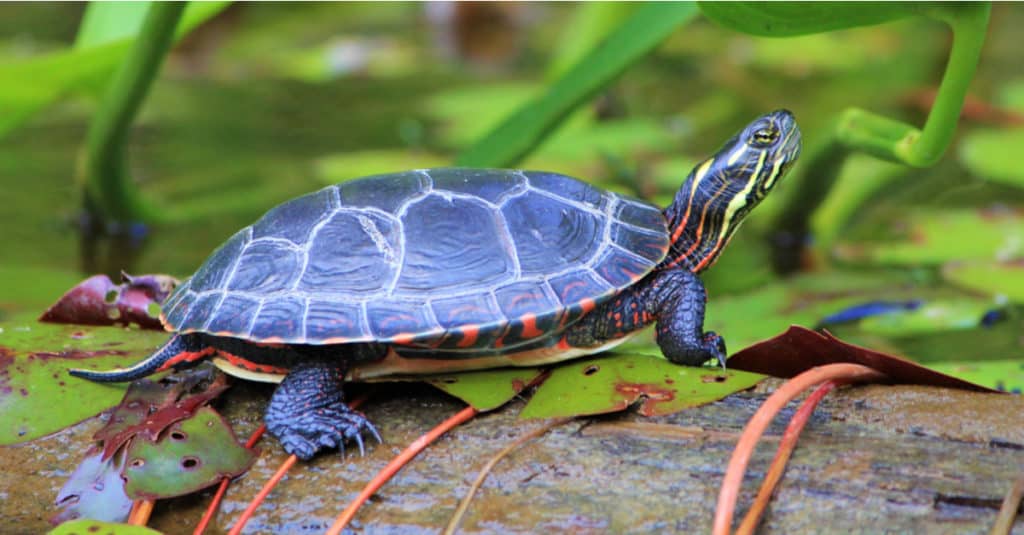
[469, 335]
[530, 329]
[271, 343]
[587, 305]
[403, 339]
[250, 365]
[563, 343]
[186, 356]
[336, 340]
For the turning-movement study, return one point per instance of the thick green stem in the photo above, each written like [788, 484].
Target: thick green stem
[109, 189]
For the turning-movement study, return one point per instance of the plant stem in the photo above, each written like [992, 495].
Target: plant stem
[109, 190]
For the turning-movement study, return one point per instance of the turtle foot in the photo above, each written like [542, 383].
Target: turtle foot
[325, 427]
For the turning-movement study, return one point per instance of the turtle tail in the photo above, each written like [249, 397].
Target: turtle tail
[180, 349]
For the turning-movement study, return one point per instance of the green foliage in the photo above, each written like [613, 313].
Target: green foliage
[88, 527]
[615, 382]
[37, 396]
[1004, 279]
[190, 455]
[645, 29]
[1007, 375]
[995, 155]
[786, 19]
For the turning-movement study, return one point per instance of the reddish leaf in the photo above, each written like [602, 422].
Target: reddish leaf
[98, 301]
[799, 349]
[149, 407]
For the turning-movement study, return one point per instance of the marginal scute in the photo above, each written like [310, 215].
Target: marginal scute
[283, 318]
[453, 312]
[330, 319]
[388, 319]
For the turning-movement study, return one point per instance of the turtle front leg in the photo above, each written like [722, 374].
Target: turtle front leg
[677, 298]
[308, 413]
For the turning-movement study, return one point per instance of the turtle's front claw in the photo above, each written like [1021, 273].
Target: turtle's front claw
[326, 427]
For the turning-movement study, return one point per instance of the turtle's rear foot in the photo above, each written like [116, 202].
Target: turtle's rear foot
[308, 413]
[325, 427]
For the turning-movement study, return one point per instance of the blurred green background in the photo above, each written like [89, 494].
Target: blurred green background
[267, 101]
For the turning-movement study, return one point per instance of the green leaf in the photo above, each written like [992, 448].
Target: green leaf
[645, 29]
[190, 455]
[783, 19]
[615, 382]
[995, 155]
[486, 390]
[993, 278]
[28, 86]
[89, 527]
[37, 396]
[1007, 375]
[938, 237]
[935, 316]
[104, 22]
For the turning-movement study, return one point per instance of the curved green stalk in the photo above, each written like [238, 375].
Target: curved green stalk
[109, 191]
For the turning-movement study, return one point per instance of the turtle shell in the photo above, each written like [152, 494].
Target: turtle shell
[440, 258]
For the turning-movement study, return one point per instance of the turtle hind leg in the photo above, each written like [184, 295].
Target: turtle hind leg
[180, 350]
[308, 413]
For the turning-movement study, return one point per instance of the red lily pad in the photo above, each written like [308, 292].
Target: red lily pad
[616, 382]
[799, 349]
[95, 490]
[98, 301]
[190, 455]
[150, 407]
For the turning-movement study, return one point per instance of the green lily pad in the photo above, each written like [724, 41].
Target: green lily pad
[96, 527]
[190, 455]
[995, 155]
[37, 396]
[930, 238]
[615, 382]
[1006, 375]
[994, 278]
[486, 390]
[931, 317]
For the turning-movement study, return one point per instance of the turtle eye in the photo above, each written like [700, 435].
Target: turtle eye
[765, 136]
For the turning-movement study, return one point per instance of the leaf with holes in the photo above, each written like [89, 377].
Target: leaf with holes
[486, 390]
[149, 407]
[190, 455]
[87, 526]
[615, 382]
[95, 490]
[37, 396]
[98, 301]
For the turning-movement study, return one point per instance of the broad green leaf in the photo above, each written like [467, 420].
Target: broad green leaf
[90, 527]
[931, 238]
[615, 382]
[486, 390]
[995, 155]
[994, 278]
[934, 316]
[104, 22]
[784, 19]
[190, 455]
[37, 396]
[29, 85]
[644, 30]
[1007, 375]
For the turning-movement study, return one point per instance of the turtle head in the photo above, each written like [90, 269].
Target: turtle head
[723, 189]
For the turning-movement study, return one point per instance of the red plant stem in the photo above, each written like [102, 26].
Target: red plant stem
[141, 511]
[782, 455]
[395, 465]
[852, 373]
[223, 488]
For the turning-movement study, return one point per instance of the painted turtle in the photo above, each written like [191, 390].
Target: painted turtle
[455, 269]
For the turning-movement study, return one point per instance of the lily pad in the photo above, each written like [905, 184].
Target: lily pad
[98, 301]
[37, 396]
[931, 238]
[489, 389]
[930, 317]
[96, 527]
[95, 490]
[993, 278]
[615, 382]
[1004, 375]
[190, 455]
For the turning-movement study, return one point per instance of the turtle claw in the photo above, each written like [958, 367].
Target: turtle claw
[327, 427]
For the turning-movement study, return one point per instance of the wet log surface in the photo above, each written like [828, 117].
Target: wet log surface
[872, 459]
